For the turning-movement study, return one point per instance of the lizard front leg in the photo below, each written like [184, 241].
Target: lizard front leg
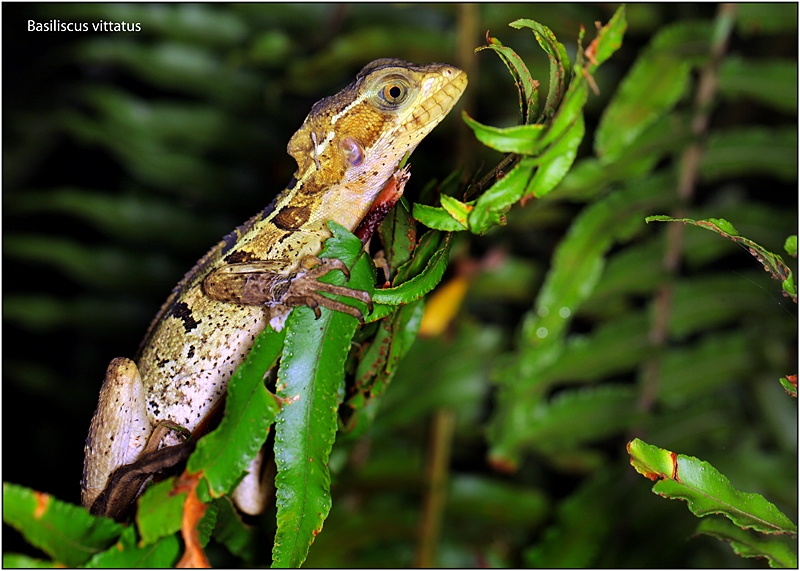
[262, 283]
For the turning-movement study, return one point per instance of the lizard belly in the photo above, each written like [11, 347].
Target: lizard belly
[193, 352]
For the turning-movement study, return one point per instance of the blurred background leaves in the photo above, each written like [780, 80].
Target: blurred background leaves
[127, 155]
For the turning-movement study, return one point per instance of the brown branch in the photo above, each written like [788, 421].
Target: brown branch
[687, 182]
[437, 470]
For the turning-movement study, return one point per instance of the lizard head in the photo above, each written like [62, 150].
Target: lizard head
[352, 142]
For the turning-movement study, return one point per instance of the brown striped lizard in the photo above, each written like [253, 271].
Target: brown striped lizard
[348, 150]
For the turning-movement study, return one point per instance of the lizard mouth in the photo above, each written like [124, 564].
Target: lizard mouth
[439, 94]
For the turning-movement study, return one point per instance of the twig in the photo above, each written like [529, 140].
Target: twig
[687, 181]
[437, 470]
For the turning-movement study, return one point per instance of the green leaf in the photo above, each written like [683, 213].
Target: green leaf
[609, 38]
[705, 489]
[791, 245]
[98, 266]
[65, 532]
[773, 263]
[578, 262]
[224, 454]
[185, 68]
[584, 523]
[603, 410]
[556, 161]
[404, 327]
[417, 286]
[749, 151]
[613, 347]
[437, 218]
[520, 139]
[715, 299]
[19, 561]
[789, 386]
[657, 81]
[498, 502]
[44, 312]
[560, 72]
[497, 199]
[716, 360]
[759, 18]
[230, 531]
[398, 235]
[776, 550]
[527, 87]
[576, 268]
[128, 554]
[128, 216]
[772, 82]
[310, 380]
[457, 209]
[160, 512]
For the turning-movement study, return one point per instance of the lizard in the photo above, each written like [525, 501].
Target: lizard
[348, 150]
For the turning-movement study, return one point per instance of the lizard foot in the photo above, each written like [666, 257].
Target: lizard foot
[305, 289]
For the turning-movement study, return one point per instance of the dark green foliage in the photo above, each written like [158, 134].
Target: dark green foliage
[127, 155]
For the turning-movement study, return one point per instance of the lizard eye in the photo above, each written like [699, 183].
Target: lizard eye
[394, 92]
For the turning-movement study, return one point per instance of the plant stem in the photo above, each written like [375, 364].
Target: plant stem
[437, 470]
[687, 182]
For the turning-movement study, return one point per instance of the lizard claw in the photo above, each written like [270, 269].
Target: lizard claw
[305, 289]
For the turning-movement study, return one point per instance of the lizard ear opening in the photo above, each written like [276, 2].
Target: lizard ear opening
[352, 151]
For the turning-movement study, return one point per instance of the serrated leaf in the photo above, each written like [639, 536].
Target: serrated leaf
[520, 139]
[398, 235]
[560, 71]
[497, 199]
[67, 533]
[527, 87]
[159, 512]
[455, 208]
[224, 454]
[776, 550]
[310, 381]
[98, 266]
[772, 82]
[657, 81]
[128, 554]
[584, 522]
[773, 263]
[557, 160]
[750, 151]
[127, 216]
[705, 490]
[437, 218]
[231, 532]
[603, 410]
[417, 286]
[608, 40]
